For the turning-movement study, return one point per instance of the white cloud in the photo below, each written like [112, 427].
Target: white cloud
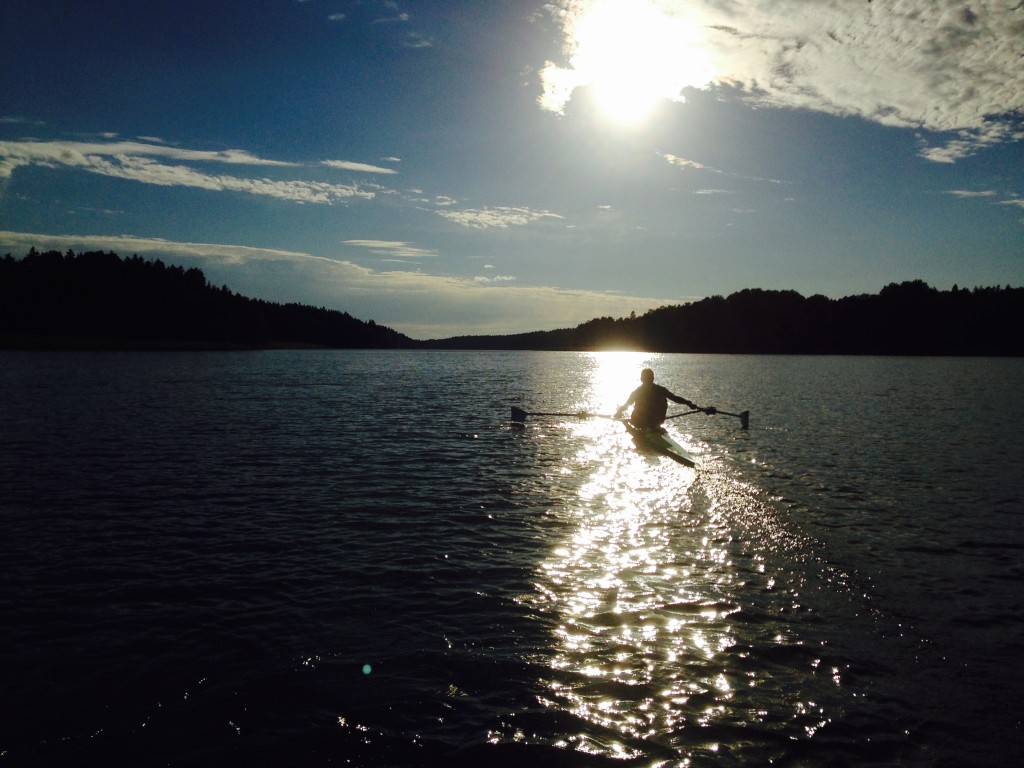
[970, 193]
[417, 40]
[135, 161]
[397, 17]
[124, 245]
[681, 162]
[52, 154]
[420, 305]
[498, 217]
[494, 279]
[943, 66]
[692, 165]
[150, 172]
[393, 248]
[16, 120]
[347, 165]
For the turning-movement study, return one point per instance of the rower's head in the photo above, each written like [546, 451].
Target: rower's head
[647, 376]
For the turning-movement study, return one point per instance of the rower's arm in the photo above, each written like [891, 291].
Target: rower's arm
[682, 400]
[625, 405]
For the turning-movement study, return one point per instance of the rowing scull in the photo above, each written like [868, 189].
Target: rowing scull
[659, 440]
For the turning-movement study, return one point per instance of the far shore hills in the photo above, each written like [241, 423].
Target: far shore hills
[99, 301]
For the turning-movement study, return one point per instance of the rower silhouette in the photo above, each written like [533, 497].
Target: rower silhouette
[650, 403]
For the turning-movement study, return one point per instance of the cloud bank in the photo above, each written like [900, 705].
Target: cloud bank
[939, 66]
[140, 162]
[145, 163]
[497, 217]
[420, 305]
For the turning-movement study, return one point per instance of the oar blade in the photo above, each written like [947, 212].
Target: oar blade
[519, 415]
[745, 419]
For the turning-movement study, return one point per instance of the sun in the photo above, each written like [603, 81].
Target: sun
[617, 48]
[632, 54]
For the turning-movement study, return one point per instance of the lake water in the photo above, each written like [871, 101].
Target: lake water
[349, 558]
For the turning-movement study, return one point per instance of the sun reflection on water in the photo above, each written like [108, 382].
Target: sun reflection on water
[642, 588]
[663, 615]
[613, 375]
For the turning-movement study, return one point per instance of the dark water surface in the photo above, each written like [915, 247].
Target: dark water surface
[348, 558]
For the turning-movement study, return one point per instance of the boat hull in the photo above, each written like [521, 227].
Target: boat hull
[660, 441]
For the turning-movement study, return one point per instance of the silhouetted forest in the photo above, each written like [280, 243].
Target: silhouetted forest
[908, 318]
[98, 300]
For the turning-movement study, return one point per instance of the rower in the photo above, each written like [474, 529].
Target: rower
[650, 403]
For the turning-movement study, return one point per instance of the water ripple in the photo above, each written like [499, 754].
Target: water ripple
[263, 559]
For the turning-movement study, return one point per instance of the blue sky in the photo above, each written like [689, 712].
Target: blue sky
[495, 167]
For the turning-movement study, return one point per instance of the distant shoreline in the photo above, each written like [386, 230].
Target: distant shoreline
[99, 301]
[33, 343]
[75, 344]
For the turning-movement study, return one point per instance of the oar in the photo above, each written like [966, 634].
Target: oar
[685, 413]
[711, 411]
[519, 415]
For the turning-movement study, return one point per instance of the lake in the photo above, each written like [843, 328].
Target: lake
[311, 558]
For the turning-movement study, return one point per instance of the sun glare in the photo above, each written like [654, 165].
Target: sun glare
[632, 54]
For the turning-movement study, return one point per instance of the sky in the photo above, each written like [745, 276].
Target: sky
[449, 168]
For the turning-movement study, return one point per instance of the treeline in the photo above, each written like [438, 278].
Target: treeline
[98, 299]
[909, 318]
